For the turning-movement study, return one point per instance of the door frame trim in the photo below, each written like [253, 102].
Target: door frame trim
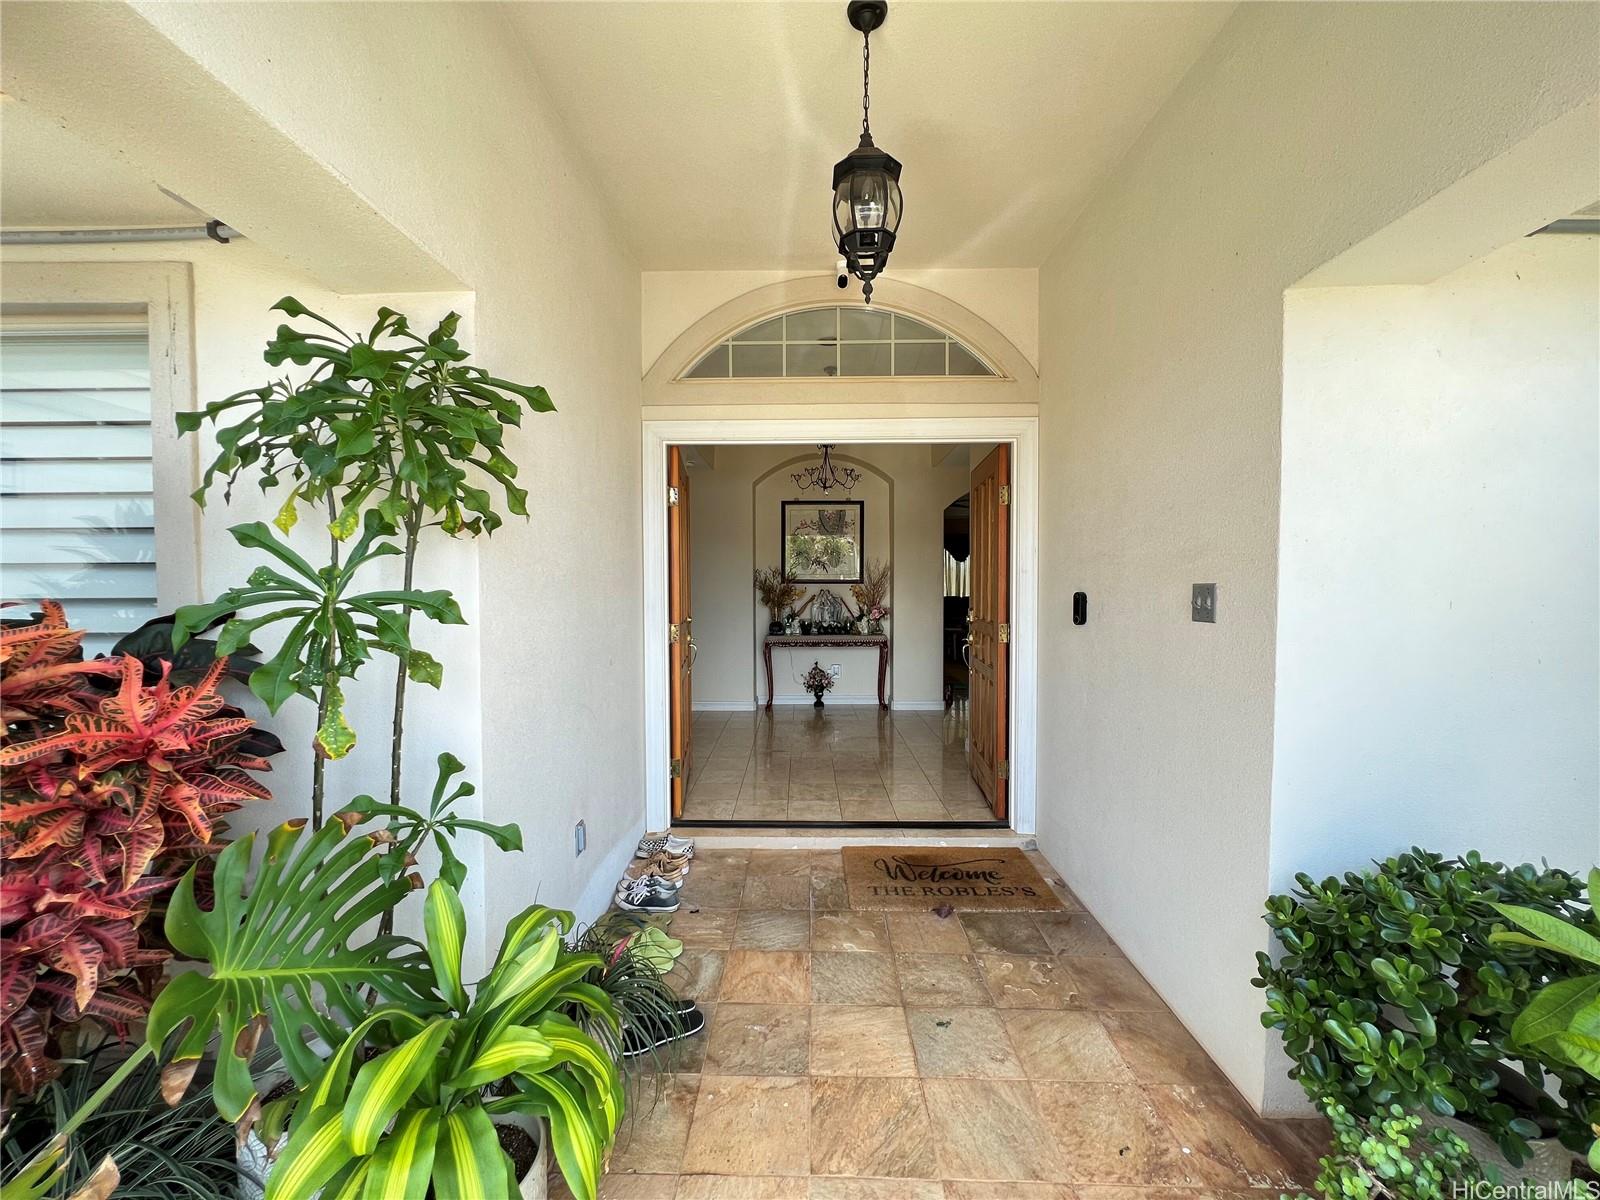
[1023, 435]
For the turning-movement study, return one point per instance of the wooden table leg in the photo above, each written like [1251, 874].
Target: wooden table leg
[766, 655]
[883, 672]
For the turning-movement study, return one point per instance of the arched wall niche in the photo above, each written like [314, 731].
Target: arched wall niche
[1015, 384]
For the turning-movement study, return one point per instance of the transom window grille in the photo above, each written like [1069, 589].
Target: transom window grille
[837, 342]
[77, 505]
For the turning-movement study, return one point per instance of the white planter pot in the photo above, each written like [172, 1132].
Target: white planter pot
[1550, 1162]
[255, 1161]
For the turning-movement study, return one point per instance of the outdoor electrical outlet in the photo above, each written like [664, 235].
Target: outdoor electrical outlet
[580, 836]
[1203, 603]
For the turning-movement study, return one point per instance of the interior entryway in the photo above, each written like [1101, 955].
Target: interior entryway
[892, 745]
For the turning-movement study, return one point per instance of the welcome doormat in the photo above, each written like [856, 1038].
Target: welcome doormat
[974, 879]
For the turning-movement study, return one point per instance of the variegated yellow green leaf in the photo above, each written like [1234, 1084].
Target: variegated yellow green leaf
[445, 922]
[468, 1161]
[572, 1045]
[289, 514]
[316, 1150]
[523, 970]
[335, 735]
[404, 1161]
[349, 1183]
[527, 925]
[345, 523]
[509, 1051]
[572, 1134]
[383, 1085]
[334, 1081]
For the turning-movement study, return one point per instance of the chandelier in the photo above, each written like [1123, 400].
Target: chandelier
[866, 182]
[825, 475]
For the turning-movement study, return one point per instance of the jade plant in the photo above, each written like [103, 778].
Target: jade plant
[1392, 990]
[421, 1111]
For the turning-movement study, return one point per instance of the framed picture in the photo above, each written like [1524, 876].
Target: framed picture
[823, 542]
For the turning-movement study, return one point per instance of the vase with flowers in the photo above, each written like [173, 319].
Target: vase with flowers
[778, 594]
[817, 681]
[872, 594]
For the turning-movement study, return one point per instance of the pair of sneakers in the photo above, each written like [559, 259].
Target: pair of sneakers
[649, 1033]
[653, 884]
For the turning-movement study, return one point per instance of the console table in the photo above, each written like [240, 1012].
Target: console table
[824, 641]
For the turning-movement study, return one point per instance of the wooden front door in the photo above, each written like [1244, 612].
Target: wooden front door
[989, 627]
[681, 649]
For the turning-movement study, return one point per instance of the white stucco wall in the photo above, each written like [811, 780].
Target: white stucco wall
[1299, 133]
[1439, 570]
[1006, 297]
[736, 506]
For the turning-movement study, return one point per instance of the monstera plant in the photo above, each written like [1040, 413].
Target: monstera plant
[422, 1112]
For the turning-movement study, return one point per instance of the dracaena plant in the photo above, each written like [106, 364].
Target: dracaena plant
[332, 629]
[280, 944]
[109, 795]
[393, 422]
[422, 1112]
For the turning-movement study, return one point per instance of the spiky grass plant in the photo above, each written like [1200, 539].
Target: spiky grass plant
[637, 957]
[161, 1153]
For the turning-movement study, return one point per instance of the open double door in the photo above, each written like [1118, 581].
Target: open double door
[988, 645]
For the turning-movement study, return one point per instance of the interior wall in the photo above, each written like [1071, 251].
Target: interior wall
[1301, 131]
[1006, 297]
[1439, 576]
[508, 205]
[735, 516]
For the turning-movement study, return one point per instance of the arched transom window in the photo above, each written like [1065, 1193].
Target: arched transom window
[848, 343]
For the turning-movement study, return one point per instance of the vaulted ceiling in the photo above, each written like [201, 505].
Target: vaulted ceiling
[713, 127]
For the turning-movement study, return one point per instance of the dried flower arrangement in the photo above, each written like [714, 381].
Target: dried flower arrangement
[872, 593]
[777, 592]
[816, 681]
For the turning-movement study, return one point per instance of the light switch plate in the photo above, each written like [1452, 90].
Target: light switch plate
[1203, 603]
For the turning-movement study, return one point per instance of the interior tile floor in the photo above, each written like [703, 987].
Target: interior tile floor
[853, 1055]
[839, 763]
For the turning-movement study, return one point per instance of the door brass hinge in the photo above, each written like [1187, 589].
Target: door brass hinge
[672, 497]
[1002, 770]
[674, 632]
[1005, 493]
[677, 768]
[1005, 634]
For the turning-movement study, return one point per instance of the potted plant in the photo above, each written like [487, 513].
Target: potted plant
[1391, 989]
[817, 681]
[872, 594]
[777, 593]
[423, 1112]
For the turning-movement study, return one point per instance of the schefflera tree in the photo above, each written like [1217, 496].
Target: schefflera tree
[389, 434]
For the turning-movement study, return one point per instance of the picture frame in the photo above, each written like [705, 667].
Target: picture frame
[824, 541]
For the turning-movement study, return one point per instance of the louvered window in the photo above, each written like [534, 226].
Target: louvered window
[77, 512]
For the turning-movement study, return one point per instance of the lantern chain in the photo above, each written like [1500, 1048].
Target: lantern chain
[866, 77]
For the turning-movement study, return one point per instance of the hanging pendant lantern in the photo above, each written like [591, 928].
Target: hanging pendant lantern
[866, 182]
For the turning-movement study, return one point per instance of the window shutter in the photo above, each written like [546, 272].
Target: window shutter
[77, 517]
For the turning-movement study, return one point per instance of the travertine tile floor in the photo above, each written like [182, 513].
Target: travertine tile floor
[843, 763]
[858, 1055]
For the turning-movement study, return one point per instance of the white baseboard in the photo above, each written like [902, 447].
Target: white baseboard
[917, 705]
[830, 698]
[724, 705]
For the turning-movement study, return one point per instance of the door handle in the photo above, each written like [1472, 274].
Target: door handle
[694, 653]
[966, 653]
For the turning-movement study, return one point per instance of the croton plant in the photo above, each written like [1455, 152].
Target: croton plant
[113, 788]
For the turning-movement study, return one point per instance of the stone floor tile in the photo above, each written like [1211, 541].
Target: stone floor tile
[697, 973]
[848, 930]
[977, 1189]
[742, 1187]
[963, 1043]
[1003, 933]
[926, 933]
[946, 979]
[651, 1140]
[1232, 1147]
[1076, 933]
[772, 929]
[1158, 1049]
[703, 928]
[759, 1039]
[1064, 1045]
[1112, 983]
[1111, 1133]
[870, 1127]
[990, 1129]
[1018, 982]
[850, 978]
[853, 1039]
[750, 1125]
[826, 1188]
[766, 977]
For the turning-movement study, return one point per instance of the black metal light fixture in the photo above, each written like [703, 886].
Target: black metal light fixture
[825, 475]
[866, 182]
